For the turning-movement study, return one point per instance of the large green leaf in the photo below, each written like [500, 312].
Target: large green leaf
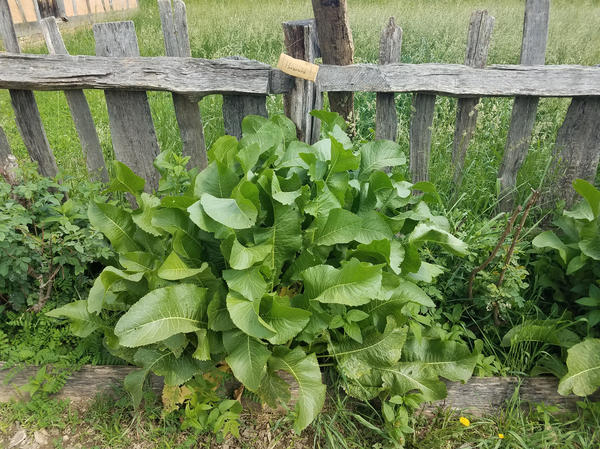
[590, 194]
[323, 202]
[125, 180]
[285, 237]
[377, 350]
[217, 180]
[138, 261]
[341, 226]
[115, 224]
[342, 159]
[354, 284]
[286, 320]
[405, 377]
[583, 362]
[101, 292]
[548, 239]
[143, 216]
[161, 313]
[449, 359]
[174, 269]
[425, 232]
[81, 321]
[247, 358]
[311, 390]
[236, 214]
[378, 155]
[373, 227]
[242, 257]
[249, 282]
[245, 315]
[543, 331]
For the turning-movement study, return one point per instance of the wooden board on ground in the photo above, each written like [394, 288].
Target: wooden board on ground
[479, 396]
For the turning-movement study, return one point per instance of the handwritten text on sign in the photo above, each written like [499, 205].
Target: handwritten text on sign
[297, 67]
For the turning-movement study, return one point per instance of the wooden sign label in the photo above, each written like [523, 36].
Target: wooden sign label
[297, 67]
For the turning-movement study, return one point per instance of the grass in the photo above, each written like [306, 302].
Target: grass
[433, 32]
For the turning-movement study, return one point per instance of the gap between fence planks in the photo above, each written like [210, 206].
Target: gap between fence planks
[131, 126]
[478, 396]
[177, 43]
[533, 52]
[302, 42]
[479, 35]
[27, 114]
[80, 109]
[199, 77]
[386, 117]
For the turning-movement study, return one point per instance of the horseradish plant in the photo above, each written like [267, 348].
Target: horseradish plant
[279, 255]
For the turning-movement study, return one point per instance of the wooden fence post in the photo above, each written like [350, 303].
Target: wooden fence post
[337, 47]
[533, 52]
[27, 114]
[577, 150]
[80, 109]
[302, 42]
[177, 43]
[478, 41]
[131, 126]
[236, 107]
[8, 163]
[420, 136]
[386, 117]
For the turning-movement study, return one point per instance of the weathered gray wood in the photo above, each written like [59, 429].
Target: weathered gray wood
[131, 125]
[236, 107]
[8, 162]
[420, 136]
[478, 41]
[187, 112]
[301, 42]
[386, 117]
[81, 387]
[27, 114]
[487, 395]
[200, 77]
[533, 52]
[337, 47]
[80, 109]
[577, 150]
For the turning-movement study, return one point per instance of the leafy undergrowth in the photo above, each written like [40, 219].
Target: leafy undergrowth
[344, 423]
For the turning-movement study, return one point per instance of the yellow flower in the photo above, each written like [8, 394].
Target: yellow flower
[501, 436]
[464, 421]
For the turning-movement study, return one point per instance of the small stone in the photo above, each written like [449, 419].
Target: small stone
[17, 439]
[65, 437]
[40, 437]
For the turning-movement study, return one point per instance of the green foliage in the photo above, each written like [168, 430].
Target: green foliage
[48, 247]
[278, 254]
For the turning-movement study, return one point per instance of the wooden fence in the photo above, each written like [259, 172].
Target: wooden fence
[125, 77]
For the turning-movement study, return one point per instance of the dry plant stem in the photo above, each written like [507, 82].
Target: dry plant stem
[534, 197]
[495, 251]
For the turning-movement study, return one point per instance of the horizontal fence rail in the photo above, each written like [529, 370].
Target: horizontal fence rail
[194, 76]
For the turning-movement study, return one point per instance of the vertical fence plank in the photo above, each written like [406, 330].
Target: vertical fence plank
[236, 107]
[177, 43]
[386, 117]
[478, 41]
[577, 149]
[80, 109]
[27, 114]
[131, 126]
[8, 163]
[533, 52]
[301, 42]
[420, 136]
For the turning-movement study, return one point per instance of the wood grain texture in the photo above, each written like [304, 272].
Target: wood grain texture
[479, 35]
[80, 109]
[5, 150]
[576, 152]
[131, 126]
[187, 112]
[301, 42]
[8, 162]
[533, 52]
[27, 114]
[479, 396]
[199, 77]
[420, 136]
[386, 117]
[236, 107]
[337, 47]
